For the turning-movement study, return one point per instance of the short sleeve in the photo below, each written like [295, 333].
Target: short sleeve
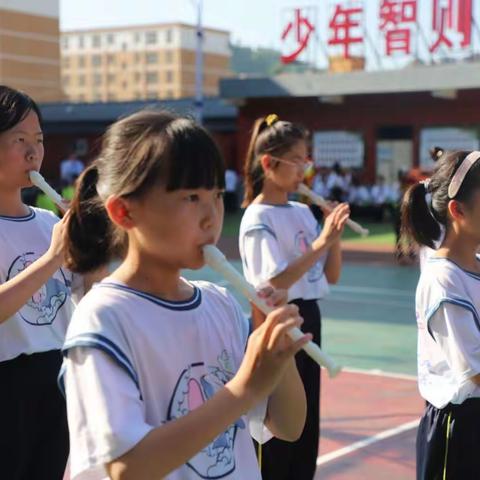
[263, 257]
[105, 412]
[455, 327]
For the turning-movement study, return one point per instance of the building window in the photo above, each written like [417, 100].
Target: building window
[66, 81]
[152, 95]
[110, 38]
[168, 36]
[151, 38]
[169, 76]
[81, 61]
[169, 94]
[124, 85]
[111, 78]
[81, 80]
[110, 59]
[137, 58]
[65, 43]
[138, 37]
[138, 77]
[96, 41]
[168, 56]
[97, 79]
[124, 46]
[66, 62]
[152, 77]
[138, 95]
[81, 41]
[111, 97]
[151, 58]
[96, 60]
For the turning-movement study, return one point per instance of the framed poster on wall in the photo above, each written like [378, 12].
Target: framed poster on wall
[448, 138]
[342, 146]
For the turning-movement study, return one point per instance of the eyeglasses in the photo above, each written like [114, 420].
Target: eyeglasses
[304, 165]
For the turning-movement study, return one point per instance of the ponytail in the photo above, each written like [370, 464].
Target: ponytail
[418, 222]
[422, 220]
[269, 136]
[253, 171]
[91, 241]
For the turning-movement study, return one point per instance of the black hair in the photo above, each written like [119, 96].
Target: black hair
[147, 148]
[267, 138]
[14, 107]
[422, 220]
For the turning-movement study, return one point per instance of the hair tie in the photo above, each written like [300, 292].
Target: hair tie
[425, 183]
[271, 119]
[428, 196]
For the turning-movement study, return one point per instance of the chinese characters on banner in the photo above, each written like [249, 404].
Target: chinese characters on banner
[397, 23]
[346, 28]
[443, 27]
[299, 31]
[452, 19]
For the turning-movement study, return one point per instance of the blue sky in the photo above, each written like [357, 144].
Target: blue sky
[251, 22]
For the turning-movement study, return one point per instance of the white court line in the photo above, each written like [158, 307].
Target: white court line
[381, 373]
[373, 290]
[367, 301]
[328, 457]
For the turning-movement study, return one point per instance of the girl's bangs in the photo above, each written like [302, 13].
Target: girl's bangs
[195, 161]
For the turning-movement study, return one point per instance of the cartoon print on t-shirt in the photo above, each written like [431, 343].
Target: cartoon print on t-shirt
[43, 306]
[198, 383]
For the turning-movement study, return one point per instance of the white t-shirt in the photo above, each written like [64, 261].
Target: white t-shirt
[40, 325]
[272, 237]
[319, 186]
[334, 180]
[71, 168]
[231, 179]
[380, 194]
[359, 195]
[447, 309]
[135, 361]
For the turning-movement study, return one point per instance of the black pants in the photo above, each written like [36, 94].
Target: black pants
[298, 460]
[448, 442]
[33, 422]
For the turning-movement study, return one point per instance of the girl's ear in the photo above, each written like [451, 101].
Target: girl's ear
[266, 162]
[119, 212]
[456, 209]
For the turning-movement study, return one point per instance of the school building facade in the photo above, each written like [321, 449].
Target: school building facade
[29, 47]
[141, 62]
[372, 122]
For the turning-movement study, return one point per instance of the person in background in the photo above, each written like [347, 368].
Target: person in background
[282, 245]
[336, 183]
[70, 168]
[231, 185]
[443, 214]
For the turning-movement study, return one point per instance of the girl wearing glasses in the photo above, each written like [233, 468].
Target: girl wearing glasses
[282, 244]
